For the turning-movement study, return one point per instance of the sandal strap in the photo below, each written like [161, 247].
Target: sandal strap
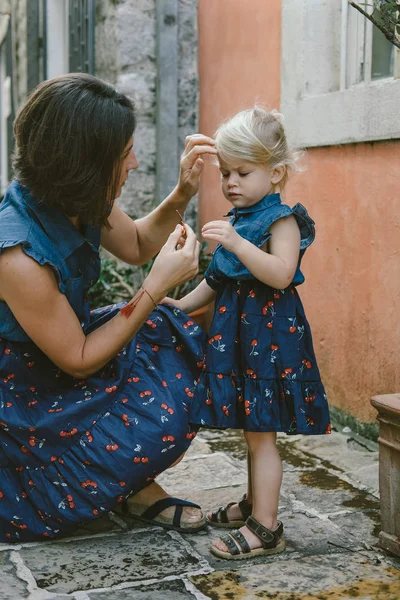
[268, 537]
[229, 541]
[155, 509]
[241, 540]
[245, 506]
[220, 515]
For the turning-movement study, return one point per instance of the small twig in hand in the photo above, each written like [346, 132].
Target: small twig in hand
[180, 216]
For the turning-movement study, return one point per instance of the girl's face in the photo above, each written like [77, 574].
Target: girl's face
[245, 183]
[128, 163]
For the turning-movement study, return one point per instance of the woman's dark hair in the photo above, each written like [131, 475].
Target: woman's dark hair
[70, 136]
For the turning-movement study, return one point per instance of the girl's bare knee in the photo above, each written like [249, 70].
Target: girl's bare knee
[256, 439]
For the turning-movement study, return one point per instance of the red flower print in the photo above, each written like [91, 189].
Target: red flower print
[222, 310]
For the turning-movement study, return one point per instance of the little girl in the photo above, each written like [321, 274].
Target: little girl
[260, 373]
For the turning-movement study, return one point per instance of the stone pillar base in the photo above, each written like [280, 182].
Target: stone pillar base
[388, 407]
[389, 542]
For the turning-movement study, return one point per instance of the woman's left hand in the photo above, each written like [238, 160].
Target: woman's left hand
[223, 233]
[192, 163]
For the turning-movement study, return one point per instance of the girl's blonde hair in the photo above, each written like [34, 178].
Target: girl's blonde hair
[257, 135]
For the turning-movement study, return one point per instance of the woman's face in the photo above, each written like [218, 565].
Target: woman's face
[128, 163]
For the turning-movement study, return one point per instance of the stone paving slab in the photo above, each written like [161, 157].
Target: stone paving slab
[330, 493]
[361, 526]
[166, 590]
[106, 561]
[331, 522]
[11, 586]
[303, 535]
[209, 471]
[333, 577]
[357, 458]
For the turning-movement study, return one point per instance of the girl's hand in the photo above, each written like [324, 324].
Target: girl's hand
[223, 233]
[174, 265]
[171, 302]
[192, 163]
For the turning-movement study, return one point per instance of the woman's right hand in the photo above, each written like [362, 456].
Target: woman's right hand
[173, 265]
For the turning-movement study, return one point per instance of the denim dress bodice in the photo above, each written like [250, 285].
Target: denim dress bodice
[253, 224]
[48, 236]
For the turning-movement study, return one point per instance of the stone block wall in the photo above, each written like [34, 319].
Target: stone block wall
[126, 54]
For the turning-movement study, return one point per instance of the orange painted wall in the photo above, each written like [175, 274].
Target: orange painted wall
[352, 289]
[239, 49]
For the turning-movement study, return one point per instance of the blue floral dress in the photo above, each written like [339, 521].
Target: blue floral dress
[71, 449]
[260, 372]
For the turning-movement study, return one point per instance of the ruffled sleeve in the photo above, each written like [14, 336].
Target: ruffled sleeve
[306, 225]
[37, 255]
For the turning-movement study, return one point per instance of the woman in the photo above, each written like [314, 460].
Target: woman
[92, 405]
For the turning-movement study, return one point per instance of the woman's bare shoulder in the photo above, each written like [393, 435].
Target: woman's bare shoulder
[18, 270]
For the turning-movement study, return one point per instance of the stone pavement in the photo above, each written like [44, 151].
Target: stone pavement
[330, 511]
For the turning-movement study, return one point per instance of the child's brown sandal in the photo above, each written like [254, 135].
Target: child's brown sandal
[219, 517]
[239, 549]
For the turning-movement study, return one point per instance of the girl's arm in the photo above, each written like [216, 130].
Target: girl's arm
[201, 296]
[275, 268]
[31, 291]
[136, 242]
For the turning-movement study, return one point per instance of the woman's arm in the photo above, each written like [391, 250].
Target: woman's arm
[32, 293]
[136, 242]
[201, 296]
[276, 268]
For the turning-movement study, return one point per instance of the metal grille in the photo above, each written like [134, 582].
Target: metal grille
[81, 36]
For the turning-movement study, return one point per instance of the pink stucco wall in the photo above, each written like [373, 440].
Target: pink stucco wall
[352, 289]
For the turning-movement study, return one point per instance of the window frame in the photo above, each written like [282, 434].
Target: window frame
[365, 111]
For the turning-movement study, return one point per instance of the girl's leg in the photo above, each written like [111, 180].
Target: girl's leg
[266, 480]
[234, 512]
[249, 495]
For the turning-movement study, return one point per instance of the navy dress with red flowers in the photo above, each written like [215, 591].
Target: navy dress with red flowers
[71, 449]
[260, 372]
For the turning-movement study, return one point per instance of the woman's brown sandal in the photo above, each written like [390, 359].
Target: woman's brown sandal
[219, 517]
[239, 549]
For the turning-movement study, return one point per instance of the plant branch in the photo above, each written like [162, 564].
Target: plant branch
[391, 36]
[123, 283]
